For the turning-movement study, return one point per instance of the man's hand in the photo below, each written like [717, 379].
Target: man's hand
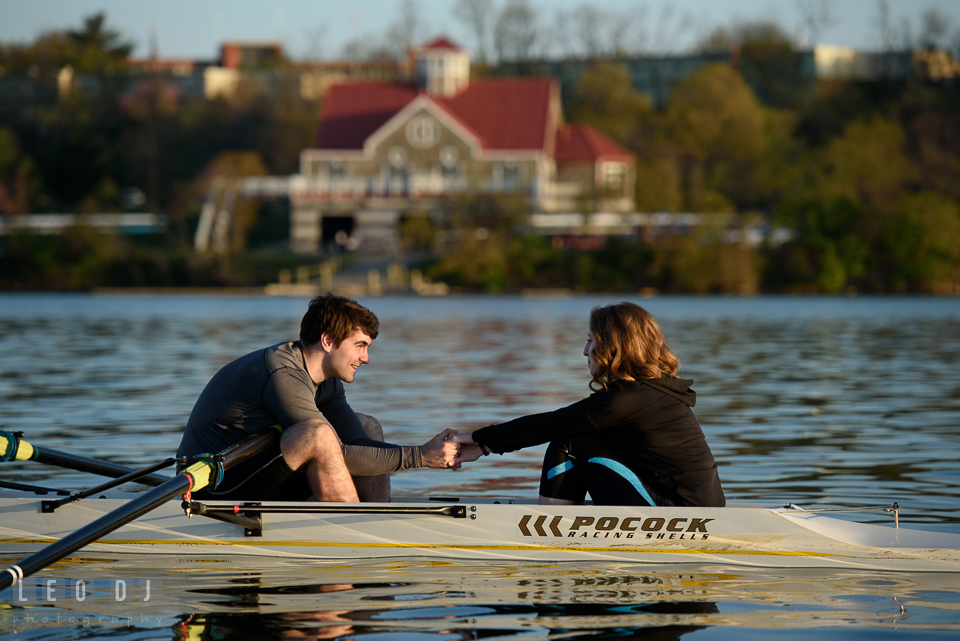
[440, 453]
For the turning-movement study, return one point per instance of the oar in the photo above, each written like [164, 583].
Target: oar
[195, 477]
[13, 448]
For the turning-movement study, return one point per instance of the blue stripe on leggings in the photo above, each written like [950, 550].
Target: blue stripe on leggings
[625, 472]
[560, 469]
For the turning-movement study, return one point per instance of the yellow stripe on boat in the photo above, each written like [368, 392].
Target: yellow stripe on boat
[411, 546]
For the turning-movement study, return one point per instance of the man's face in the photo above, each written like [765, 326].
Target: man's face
[341, 361]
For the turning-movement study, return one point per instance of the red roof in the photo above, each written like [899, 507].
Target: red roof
[441, 43]
[505, 113]
[582, 143]
[353, 111]
[509, 113]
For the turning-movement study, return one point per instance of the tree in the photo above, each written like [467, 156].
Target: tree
[816, 15]
[936, 26]
[516, 34]
[886, 30]
[18, 180]
[475, 14]
[916, 242]
[829, 250]
[718, 128]
[605, 99]
[589, 21]
[97, 49]
[405, 32]
[866, 164]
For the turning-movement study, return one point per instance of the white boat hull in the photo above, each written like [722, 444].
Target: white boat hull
[514, 531]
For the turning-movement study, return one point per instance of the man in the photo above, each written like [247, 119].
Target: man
[325, 449]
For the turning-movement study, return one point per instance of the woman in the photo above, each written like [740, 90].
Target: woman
[634, 441]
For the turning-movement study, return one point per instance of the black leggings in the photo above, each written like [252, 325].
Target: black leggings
[579, 464]
[263, 477]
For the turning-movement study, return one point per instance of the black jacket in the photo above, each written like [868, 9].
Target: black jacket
[648, 425]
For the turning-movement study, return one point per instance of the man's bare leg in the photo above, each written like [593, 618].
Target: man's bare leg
[372, 489]
[313, 447]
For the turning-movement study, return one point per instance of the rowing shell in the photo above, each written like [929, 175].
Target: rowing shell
[481, 529]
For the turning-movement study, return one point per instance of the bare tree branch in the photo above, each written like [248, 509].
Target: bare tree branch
[936, 25]
[588, 24]
[817, 16]
[561, 37]
[315, 39]
[619, 26]
[476, 15]
[516, 33]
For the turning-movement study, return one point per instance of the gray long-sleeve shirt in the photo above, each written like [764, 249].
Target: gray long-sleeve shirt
[272, 386]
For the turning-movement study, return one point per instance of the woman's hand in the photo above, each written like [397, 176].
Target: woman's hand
[469, 451]
[463, 438]
[468, 454]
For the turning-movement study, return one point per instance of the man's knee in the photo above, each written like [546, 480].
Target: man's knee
[371, 426]
[306, 440]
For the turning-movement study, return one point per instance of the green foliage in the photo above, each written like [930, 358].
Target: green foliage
[95, 49]
[719, 132]
[829, 250]
[916, 243]
[659, 185]
[91, 49]
[606, 100]
[478, 232]
[19, 183]
[866, 164]
[673, 264]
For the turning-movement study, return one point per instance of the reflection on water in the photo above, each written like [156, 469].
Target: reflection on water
[831, 401]
[549, 621]
[475, 600]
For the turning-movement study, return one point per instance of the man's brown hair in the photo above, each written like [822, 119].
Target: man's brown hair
[629, 345]
[337, 316]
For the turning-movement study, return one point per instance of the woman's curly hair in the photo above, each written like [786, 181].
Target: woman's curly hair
[628, 345]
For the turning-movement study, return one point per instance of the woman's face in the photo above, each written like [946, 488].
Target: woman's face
[588, 352]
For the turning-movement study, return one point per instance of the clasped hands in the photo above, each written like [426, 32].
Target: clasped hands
[450, 449]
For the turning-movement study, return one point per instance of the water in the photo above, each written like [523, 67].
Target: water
[815, 401]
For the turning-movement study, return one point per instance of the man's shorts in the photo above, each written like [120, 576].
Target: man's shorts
[579, 464]
[264, 477]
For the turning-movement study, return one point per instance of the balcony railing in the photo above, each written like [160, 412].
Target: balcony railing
[359, 187]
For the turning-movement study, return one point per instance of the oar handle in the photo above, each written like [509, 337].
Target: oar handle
[195, 477]
[14, 448]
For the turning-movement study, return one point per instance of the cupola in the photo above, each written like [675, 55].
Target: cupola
[442, 68]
